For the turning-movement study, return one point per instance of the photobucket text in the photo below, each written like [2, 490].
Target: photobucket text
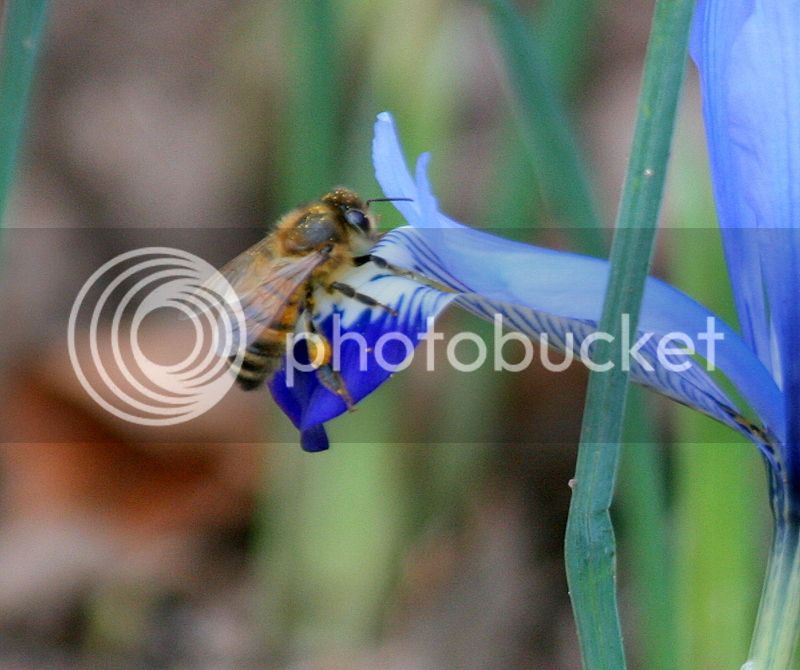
[467, 351]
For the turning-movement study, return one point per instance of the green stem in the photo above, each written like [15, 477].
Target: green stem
[778, 621]
[590, 544]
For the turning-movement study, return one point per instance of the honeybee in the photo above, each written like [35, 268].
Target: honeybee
[276, 278]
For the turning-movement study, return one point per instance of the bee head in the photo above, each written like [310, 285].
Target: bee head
[360, 220]
[355, 211]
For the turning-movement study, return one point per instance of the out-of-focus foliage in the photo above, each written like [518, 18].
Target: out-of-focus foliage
[431, 534]
[23, 23]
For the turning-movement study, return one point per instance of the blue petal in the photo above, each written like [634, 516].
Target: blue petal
[563, 290]
[714, 37]
[748, 55]
[538, 291]
[390, 168]
[369, 343]
[314, 439]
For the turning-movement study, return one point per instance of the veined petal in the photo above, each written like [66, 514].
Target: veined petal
[748, 55]
[390, 168]
[536, 291]
[563, 289]
[714, 35]
[540, 291]
[368, 343]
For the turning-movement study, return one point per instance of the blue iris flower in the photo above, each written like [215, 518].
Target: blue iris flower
[748, 56]
[535, 290]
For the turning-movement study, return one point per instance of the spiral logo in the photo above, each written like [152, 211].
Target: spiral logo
[110, 310]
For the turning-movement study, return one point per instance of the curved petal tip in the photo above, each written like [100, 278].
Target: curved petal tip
[314, 439]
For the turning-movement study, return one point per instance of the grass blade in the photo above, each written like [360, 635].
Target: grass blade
[565, 26]
[590, 543]
[23, 25]
[313, 111]
[546, 130]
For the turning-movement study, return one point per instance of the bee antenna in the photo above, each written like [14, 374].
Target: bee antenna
[389, 200]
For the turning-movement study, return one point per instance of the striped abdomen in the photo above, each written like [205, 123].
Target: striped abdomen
[263, 356]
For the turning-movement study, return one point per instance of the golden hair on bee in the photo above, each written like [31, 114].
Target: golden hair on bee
[276, 278]
[339, 217]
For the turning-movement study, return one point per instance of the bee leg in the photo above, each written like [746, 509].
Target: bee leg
[333, 381]
[319, 349]
[350, 292]
[400, 272]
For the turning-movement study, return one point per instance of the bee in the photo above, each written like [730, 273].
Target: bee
[276, 278]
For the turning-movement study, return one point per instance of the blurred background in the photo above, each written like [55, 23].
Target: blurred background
[431, 535]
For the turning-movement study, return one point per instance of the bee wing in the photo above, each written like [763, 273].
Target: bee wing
[265, 284]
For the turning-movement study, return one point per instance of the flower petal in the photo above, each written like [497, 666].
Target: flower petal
[539, 291]
[535, 290]
[390, 168]
[556, 286]
[748, 55]
[314, 439]
[369, 343]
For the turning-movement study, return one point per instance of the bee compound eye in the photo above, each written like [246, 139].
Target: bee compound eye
[357, 218]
